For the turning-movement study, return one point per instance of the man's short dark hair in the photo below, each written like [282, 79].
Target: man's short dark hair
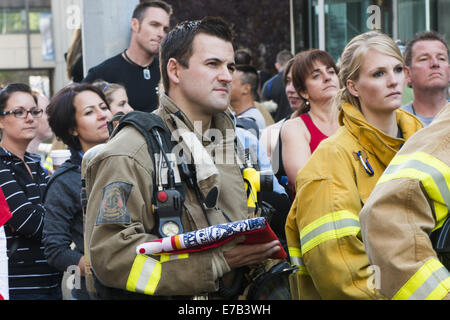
[249, 76]
[61, 112]
[141, 7]
[286, 71]
[283, 57]
[178, 42]
[423, 36]
[243, 56]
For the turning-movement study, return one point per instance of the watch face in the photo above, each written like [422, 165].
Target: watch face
[170, 229]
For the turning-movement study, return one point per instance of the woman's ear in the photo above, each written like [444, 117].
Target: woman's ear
[304, 95]
[74, 132]
[352, 88]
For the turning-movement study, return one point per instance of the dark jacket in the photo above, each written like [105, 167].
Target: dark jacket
[274, 90]
[63, 223]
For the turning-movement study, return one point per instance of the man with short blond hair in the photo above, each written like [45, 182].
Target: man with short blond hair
[428, 72]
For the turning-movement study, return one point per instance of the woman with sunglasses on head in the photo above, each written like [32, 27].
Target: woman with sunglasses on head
[322, 228]
[78, 115]
[23, 182]
[116, 96]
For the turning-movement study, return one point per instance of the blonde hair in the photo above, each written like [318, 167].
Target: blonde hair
[74, 53]
[353, 57]
[108, 88]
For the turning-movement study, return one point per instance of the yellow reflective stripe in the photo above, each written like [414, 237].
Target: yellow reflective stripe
[303, 271]
[48, 163]
[144, 275]
[333, 225]
[430, 282]
[431, 172]
[171, 257]
[295, 252]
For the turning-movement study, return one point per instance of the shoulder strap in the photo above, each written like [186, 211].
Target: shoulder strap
[146, 123]
[248, 123]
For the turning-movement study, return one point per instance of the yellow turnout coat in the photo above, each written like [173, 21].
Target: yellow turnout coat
[322, 228]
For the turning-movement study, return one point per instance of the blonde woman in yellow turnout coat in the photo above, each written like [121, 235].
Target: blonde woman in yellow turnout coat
[322, 228]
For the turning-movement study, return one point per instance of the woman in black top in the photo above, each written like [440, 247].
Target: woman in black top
[78, 115]
[23, 182]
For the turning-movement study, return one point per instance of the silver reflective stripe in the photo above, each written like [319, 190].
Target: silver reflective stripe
[430, 284]
[332, 225]
[437, 176]
[297, 261]
[146, 272]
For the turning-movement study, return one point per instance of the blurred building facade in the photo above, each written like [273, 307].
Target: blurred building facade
[26, 51]
[330, 24]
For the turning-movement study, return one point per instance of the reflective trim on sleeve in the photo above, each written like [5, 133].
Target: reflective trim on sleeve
[333, 225]
[295, 255]
[431, 172]
[430, 282]
[144, 275]
[171, 257]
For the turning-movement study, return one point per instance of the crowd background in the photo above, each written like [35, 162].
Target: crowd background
[254, 73]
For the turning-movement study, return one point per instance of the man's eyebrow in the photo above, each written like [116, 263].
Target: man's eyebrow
[158, 23]
[214, 59]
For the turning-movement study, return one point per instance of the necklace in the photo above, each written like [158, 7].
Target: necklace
[146, 71]
[413, 110]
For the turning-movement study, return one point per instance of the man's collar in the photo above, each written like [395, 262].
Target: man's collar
[221, 120]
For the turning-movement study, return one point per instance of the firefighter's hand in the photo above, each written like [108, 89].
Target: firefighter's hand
[248, 254]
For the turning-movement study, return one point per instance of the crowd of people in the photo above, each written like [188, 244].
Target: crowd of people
[179, 133]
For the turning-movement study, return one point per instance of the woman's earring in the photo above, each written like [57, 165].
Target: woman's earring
[307, 102]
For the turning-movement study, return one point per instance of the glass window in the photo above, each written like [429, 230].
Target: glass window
[442, 18]
[38, 79]
[302, 30]
[411, 18]
[346, 19]
[14, 20]
[415, 16]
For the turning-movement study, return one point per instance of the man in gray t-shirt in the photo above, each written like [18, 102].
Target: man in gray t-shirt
[244, 92]
[428, 72]
[256, 115]
[425, 120]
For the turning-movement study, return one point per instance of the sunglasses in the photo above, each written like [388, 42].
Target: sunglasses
[21, 113]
